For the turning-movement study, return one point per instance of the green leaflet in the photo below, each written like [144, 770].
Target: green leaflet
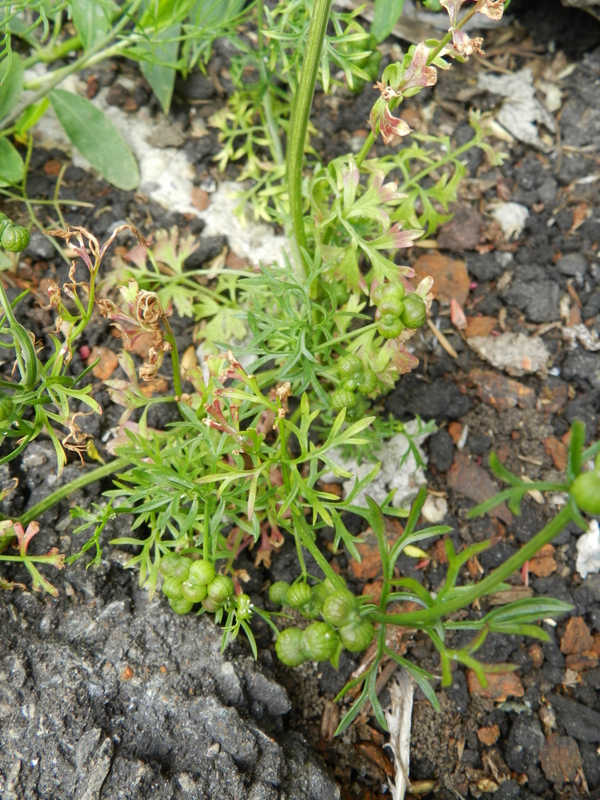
[96, 138]
[11, 83]
[160, 76]
[90, 21]
[387, 14]
[11, 163]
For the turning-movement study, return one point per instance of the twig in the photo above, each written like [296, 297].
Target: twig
[442, 340]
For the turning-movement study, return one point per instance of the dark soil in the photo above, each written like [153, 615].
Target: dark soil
[106, 694]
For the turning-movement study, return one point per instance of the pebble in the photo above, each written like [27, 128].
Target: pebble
[524, 745]
[580, 722]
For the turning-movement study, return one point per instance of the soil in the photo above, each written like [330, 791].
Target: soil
[106, 694]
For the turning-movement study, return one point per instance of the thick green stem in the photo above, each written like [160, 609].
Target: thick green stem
[48, 55]
[418, 619]
[301, 115]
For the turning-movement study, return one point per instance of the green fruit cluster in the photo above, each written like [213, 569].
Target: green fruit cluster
[342, 626]
[189, 582]
[354, 377]
[398, 310]
[586, 490]
[13, 238]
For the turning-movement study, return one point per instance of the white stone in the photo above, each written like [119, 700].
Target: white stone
[588, 550]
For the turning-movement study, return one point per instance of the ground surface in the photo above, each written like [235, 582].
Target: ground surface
[104, 694]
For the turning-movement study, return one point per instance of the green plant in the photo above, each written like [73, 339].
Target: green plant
[243, 466]
[163, 37]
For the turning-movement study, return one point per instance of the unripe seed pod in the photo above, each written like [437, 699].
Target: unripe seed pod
[312, 609]
[390, 327]
[320, 592]
[244, 607]
[193, 592]
[298, 595]
[210, 605]
[357, 635]
[14, 238]
[278, 592]
[415, 311]
[342, 398]
[351, 385]
[6, 406]
[349, 366]
[202, 572]
[387, 291]
[340, 292]
[220, 589]
[586, 492]
[320, 641]
[330, 588]
[340, 608]
[172, 588]
[391, 306]
[368, 382]
[290, 647]
[181, 606]
[175, 567]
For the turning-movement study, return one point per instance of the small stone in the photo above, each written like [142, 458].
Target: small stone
[434, 509]
[560, 760]
[543, 564]
[441, 451]
[489, 736]
[524, 745]
[463, 232]
[573, 265]
[480, 326]
[200, 199]
[557, 450]
[577, 637]
[500, 392]
[451, 279]
[40, 247]
[500, 686]
[511, 217]
[268, 692]
[472, 481]
[108, 363]
[515, 353]
[579, 721]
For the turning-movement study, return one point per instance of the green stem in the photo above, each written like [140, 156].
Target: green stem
[174, 358]
[345, 337]
[301, 115]
[70, 488]
[48, 55]
[417, 619]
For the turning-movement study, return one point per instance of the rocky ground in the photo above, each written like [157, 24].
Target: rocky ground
[106, 694]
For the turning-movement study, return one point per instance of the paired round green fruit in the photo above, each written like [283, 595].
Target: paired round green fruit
[244, 607]
[320, 641]
[278, 592]
[13, 238]
[343, 398]
[414, 313]
[290, 647]
[189, 582]
[390, 327]
[357, 636]
[340, 608]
